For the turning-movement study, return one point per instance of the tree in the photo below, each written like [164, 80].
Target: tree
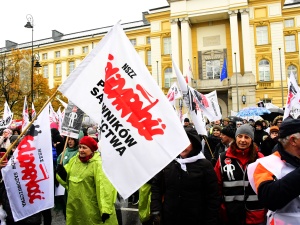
[15, 82]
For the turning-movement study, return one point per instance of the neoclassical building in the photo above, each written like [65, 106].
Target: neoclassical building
[257, 39]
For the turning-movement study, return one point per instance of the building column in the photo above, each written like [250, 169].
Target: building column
[175, 35]
[186, 46]
[246, 41]
[234, 33]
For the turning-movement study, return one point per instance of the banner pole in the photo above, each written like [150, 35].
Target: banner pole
[28, 126]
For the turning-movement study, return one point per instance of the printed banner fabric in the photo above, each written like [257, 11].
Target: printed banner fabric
[293, 97]
[140, 131]
[72, 121]
[28, 176]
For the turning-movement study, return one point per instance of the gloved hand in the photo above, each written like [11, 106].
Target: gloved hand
[155, 217]
[61, 171]
[104, 217]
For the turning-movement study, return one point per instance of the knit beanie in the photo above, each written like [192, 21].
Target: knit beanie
[217, 127]
[229, 131]
[245, 129]
[90, 142]
[274, 129]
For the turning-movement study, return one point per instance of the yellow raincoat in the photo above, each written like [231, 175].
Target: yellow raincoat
[90, 193]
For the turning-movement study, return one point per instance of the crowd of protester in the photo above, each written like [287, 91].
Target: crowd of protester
[207, 183]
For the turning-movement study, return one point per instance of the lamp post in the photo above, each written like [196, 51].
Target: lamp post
[281, 78]
[237, 87]
[29, 24]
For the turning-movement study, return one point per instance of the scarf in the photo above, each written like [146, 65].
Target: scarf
[183, 162]
[85, 159]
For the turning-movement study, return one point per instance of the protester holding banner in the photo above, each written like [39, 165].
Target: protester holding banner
[240, 203]
[91, 196]
[186, 190]
[212, 141]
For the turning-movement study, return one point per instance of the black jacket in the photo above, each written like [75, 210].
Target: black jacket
[213, 141]
[267, 145]
[189, 197]
[277, 193]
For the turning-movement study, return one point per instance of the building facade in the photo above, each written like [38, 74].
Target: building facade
[257, 39]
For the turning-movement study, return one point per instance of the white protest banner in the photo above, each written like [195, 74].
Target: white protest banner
[140, 131]
[191, 102]
[72, 122]
[293, 97]
[28, 176]
[213, 106]
[7, 117]
[173, 94]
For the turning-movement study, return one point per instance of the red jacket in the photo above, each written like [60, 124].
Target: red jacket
[252, 217]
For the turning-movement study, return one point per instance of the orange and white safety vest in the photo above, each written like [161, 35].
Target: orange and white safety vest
[289, 214]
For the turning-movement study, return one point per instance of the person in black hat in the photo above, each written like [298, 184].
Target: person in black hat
[276, 177]
[227, 137]
[186, 122]
[259, 133]
[189, 194]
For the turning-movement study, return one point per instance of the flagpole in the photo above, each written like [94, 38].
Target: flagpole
[25, 130]
[282, 102]
[237, 87]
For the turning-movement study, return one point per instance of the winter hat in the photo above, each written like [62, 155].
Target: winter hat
[259, 123]
[274, 129]
[194, 139]
[90, 142]
[229, 131]
[245, 129]
[186, 120]
[9, 131]
[289, 126]
[217, 127]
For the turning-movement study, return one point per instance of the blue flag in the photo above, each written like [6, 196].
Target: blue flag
[224, 71]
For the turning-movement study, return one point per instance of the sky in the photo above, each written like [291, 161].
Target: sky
[66, 16]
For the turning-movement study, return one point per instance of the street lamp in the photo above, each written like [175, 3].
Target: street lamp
[36, 57]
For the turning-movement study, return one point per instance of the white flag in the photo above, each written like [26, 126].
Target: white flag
[191, 101]
[293, 97]
[33, 113]
[212, 106]
[28, 176]
[7, 117]
[173, 94]
[140, 132]
[25, 115]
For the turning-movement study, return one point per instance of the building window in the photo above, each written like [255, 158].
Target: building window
[262, 35]
[71, 51]
[292, 70]
[149, 58]
[167, 46]
[289, 23]
[264, 70]
[58, 69]
[71, 66]
[168, 76]
[148, 40]
[57, 54]
[290, 43]
[213, 69]
[45, 71]
[85, 49]
[133, 42]
[45, 56]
